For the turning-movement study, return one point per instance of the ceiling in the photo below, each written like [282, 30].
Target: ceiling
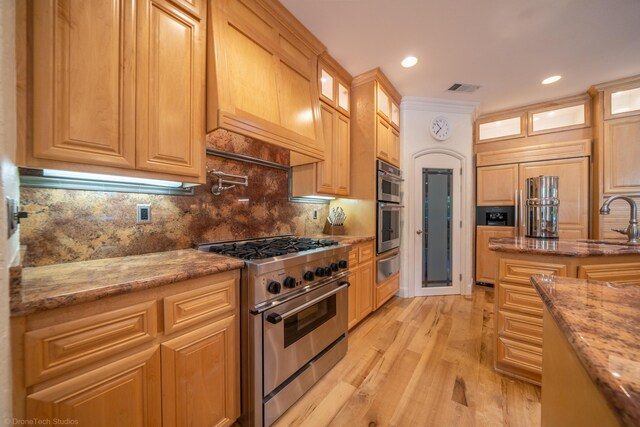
[506, 46]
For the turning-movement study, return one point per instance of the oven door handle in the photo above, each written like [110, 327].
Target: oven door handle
[276, 318]
[389, 176]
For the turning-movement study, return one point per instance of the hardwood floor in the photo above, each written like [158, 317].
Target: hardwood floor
[426, 361]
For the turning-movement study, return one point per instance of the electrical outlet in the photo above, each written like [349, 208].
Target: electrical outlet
[315, 214]
[143, 215]
[12, 217]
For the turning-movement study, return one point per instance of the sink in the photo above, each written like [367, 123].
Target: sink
[609, 242]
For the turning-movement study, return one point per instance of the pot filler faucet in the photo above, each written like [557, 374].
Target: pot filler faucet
[632, 231]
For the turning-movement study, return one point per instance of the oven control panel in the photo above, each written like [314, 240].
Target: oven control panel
[279, 282]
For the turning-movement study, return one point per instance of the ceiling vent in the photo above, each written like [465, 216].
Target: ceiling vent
[463, 87]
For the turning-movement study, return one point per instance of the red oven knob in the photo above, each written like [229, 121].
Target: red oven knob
[274, 287]
[289, 282]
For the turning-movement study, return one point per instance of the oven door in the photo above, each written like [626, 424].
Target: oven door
[298, 330]
[388, 187]
[388, 235]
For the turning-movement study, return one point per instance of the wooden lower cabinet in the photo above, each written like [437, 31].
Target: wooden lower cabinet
[203, 363]
[123, 393]
[165, 356]
[569, 395]
[361, 297]
[519, 309]
[486, 259]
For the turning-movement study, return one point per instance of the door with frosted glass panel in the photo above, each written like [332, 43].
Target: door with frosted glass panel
[437, 225]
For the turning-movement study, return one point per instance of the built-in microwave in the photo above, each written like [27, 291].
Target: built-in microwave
[388, 219]
[389, 179]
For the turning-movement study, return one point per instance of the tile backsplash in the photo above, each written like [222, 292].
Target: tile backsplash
[76, 225]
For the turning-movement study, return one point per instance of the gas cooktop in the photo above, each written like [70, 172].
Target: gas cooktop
[268, 248]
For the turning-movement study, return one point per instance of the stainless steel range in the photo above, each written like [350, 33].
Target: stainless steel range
[294, 318]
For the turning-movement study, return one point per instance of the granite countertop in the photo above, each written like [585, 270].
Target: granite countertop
[560, 247]
[601, 320]
[60, 285]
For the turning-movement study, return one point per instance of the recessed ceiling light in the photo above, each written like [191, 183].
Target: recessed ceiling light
[409, 61]
[551, 79]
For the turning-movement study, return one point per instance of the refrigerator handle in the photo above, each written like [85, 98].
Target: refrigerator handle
[521, 215]
[517, 216]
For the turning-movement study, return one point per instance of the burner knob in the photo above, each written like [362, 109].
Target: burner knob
[334, 266]
[343, 263]
[327, 271]
[320, 272]
[274, 287]
[289, 282]
[308, 276]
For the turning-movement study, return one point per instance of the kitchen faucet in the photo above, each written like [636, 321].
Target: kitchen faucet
[632, 231]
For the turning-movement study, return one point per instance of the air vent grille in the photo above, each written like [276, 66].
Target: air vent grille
[463, 87]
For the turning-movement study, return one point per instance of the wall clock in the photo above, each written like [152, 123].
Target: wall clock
[440, 128]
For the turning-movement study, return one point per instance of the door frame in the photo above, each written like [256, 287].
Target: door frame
[414, 223]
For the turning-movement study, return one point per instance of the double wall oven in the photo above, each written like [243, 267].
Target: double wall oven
[388, 207]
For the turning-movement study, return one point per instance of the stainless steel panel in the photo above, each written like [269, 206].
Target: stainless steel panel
[282, 400]
[387, 267]
[281, 362]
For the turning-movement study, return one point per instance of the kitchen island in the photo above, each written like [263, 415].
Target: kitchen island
[591, 358]
[518, 307]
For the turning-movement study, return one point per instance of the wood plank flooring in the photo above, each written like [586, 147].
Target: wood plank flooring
[426, 361]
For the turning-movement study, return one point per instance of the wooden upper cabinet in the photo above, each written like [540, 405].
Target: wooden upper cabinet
[171, 63]
[261, 76]
[500, 127]
[497, 185]
[118, 85]
[383, 102]
[383, 136]
[622, 100]
[621, 151]
[333, 84]
[84, 82]
[555, 118]
[330, 177]
[394, 147]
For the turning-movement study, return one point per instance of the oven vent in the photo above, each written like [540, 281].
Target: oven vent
[463, 87]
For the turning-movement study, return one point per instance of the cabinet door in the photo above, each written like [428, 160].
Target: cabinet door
[365, 290]
[201, 376]
[341, 155]
[124, 393]
[382, 139]
[394, 147]
[497, 185]
[384, 102]
[84, 82]
[170, 110]
[325, 175]
[621, 154]
[486, 265]
[573, 192]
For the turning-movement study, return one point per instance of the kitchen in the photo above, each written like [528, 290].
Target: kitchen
[209, 286]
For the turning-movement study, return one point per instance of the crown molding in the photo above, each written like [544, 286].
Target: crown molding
[437, 105]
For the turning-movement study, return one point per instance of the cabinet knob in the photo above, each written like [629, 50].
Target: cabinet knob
[418, 232]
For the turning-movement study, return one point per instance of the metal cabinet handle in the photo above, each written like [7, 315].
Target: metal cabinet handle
[276, 318]
[419, 232]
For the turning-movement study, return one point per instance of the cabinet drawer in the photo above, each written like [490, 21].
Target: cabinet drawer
[519, 271]
[192, 307]
[520, 326]
[385, 290]
[365, 253]
[66, 346]
[519, 298]
[520, 355]
[628, 273]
